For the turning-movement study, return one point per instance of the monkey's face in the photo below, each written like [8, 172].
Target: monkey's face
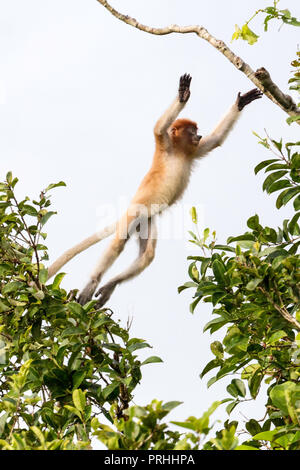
[188, 139]
[184, 135]
[191, 135]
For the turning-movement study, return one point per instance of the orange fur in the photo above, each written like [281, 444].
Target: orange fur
[183, 123]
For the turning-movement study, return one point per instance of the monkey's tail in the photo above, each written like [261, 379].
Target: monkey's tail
[75, 250]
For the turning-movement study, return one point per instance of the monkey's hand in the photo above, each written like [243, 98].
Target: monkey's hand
[243, 100]
[184, 88]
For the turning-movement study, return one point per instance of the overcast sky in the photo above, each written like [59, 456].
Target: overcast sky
[80, 93]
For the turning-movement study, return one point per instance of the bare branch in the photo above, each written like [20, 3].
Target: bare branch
[261, 80]
[282, 310]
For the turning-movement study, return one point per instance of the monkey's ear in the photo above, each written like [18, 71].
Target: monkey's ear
[174, 131]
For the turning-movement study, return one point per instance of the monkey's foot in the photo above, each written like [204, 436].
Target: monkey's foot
[87, 293]
[105, 293]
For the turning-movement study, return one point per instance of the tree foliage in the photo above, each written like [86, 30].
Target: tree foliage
[61, 364]
[253, 284]
[271, 12]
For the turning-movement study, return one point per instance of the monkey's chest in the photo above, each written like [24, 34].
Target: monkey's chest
[175, 178]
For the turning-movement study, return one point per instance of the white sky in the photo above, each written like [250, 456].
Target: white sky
[79, 95]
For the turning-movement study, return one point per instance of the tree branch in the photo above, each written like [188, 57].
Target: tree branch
[282, 310]
[261, 78]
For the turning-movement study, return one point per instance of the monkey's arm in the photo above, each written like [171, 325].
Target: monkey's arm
[219, 134]
[163, 124]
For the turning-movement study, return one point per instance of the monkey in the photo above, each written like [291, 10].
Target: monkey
[177, 146]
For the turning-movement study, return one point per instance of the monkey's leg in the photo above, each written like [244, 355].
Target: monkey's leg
[110, 255]
[145, 257]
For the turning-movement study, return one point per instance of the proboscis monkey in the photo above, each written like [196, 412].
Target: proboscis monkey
[177, 147]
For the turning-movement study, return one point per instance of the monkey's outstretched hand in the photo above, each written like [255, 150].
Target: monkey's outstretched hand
[243, 100]
[184, 88]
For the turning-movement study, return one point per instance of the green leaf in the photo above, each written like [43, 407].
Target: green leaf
[275, 337]
[3, 419]
[138, 345]
[151, 359]
[110, 388]
[217, 349]
[12, 287]
[265, 436]
[217, 322]
[293, 226]
[231, 406]
[248, 35]
[253, 283]
[263, 164]
[194, 304]
[237, 33]
[29, 210]
[292, 119]
[211, 381]
[231, 389]
[187, 285]
[276, 166]
[38, 434]
[55, 185]
[219, 271]
[279, 185]
[102, 320]
[224, 247]
[240, 387]
[272, 178]
[43, 276]
[76, 309]
[184, 424]
[79, 399]
[286, 196]
[73, 330]
[297, 203]
[57, 280]
[245, 447]
[255, 382]
[211, 365]
[194, 216]
[46, 217]
[73, 410]
[245, 237]
[170, 405]
[285, 396]
[253, 222]
[9, 177]
[77, 378]
[253, 427]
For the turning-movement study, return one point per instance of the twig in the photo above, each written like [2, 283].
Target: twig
[261, 80]
[282, 310]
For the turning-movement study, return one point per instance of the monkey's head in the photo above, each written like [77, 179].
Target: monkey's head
[184, 135]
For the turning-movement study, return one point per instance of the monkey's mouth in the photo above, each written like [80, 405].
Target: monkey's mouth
[197, 139]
